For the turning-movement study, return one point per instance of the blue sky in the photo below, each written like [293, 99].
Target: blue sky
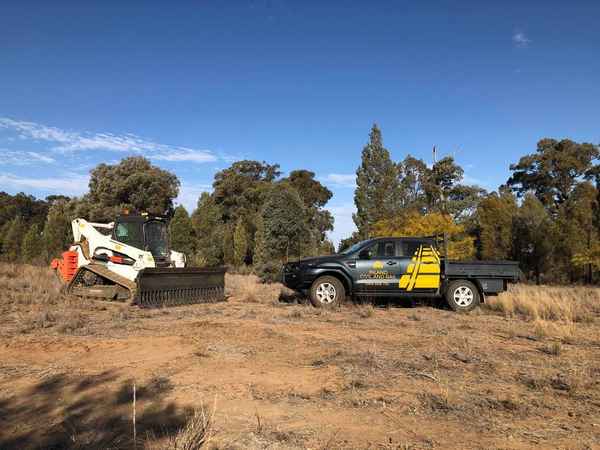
[196, 85]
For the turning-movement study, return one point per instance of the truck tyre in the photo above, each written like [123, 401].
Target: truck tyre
[327, 292]
[462, 296]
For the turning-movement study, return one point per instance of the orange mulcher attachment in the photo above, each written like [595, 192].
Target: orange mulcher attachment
[67, 266]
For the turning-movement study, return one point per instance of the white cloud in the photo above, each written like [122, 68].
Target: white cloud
[520, 39]
[71, 185]
[75, 141]
[341, 179]
[189, 194]
[343, 223]
[187, 154]
[22, 158]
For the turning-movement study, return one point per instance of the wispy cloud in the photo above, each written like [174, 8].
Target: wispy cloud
[187, 154]
[520, 39]
[68, 185]
[340, 179]
[23, 158]
[70, 141]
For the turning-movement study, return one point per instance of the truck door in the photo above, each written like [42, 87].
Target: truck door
[421, 264]
[380, 267]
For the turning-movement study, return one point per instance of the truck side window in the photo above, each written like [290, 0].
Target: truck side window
[387, 249]
[369, 252]
[409, 248]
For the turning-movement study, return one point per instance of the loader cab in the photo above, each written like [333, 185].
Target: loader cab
[145, 232]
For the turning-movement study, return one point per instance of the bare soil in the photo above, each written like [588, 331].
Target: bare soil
[274, 374]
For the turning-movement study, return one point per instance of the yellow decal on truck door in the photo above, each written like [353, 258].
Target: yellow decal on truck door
[423, 272]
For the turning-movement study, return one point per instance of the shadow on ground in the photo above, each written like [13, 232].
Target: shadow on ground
[64, 412]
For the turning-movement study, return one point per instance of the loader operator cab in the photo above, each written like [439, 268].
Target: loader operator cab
[144, 232]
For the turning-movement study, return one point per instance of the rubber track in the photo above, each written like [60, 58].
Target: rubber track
[109, 275]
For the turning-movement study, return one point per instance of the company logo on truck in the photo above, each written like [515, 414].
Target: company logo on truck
[423, 272]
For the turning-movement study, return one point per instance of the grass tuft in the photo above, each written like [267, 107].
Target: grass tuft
[549, 303]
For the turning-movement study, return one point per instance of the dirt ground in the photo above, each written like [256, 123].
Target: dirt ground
[276, 375]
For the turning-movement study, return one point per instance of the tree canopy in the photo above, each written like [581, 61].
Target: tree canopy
[134, 184]
[377, 187]
[553, 171]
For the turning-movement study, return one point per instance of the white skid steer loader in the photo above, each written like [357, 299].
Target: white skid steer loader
[129, 260]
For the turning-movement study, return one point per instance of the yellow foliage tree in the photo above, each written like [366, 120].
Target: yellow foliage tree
[460, 246]
[590, 257]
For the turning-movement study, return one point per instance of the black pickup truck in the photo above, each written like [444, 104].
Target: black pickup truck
[399, 267]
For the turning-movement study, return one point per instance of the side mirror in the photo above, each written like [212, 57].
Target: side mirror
[364, 254]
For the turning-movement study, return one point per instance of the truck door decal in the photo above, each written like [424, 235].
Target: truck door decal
[423, 272]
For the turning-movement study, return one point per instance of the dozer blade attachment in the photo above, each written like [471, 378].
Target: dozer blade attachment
[179, 286]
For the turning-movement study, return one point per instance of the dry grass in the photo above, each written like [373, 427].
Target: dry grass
[31, 296]
[554, 312]
[548, 303]
[193, 436]
[248, 289]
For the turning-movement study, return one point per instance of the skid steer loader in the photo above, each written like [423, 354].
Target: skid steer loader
[129, 260]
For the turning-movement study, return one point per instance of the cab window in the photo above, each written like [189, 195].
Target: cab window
[409, 248]
[129, 233]
[387, 249]
[382, 249]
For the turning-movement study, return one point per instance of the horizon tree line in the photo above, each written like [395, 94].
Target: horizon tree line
[546, 215]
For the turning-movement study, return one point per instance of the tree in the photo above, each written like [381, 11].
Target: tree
[3, 237]
[32, 247]
[495, 216]
[240, 188]
[209, 230]
[57, 230]
[326, 248]
[553, 171]
[181, 232]
[436, 189]
[11, 247]
[260, 249]
[377, 189]
[135, 184]
[533, 237]
[412, 223]
[440, 180]
[228, 245]
[240, 243]
[25, 206]
[282, 232]
[412, 173]
[286, 230]
[348, 242]
[577, 231]
[314, 196]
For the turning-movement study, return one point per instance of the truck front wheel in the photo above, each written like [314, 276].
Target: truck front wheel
[462, 296]
[327, 292]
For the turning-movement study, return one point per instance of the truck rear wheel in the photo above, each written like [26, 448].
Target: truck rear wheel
[462, 296]
[327, 292]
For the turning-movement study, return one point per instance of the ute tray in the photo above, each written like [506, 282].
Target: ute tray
[179, 286]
